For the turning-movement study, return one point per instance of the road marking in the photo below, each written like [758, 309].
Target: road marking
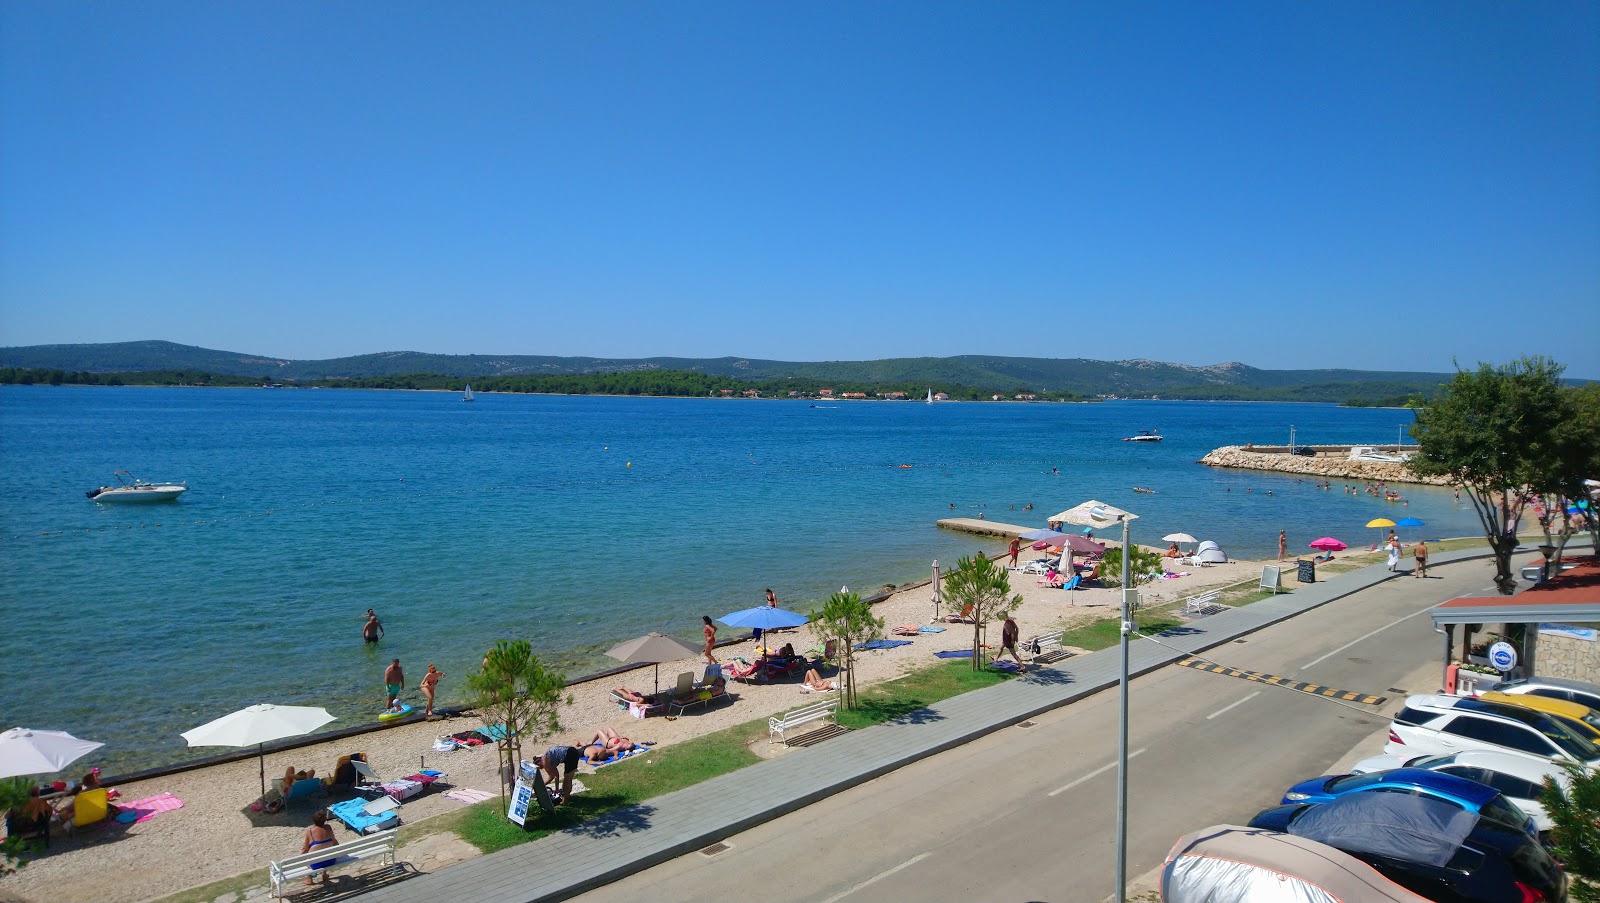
[1286, 683]
[1366, 636]
[1097, 772]
[878, 877]
[1227, 707]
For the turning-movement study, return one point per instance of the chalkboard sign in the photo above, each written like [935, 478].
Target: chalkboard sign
[1307, 572]
[1269, 577]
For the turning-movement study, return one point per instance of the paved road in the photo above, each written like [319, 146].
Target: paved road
[1028, 813]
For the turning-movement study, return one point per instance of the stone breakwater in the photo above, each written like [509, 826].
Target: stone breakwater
[1330, 466]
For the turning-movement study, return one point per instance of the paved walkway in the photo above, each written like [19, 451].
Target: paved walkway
[633, 839]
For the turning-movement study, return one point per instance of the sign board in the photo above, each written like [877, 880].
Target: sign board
[1307, 571]
[1269, 577]
[521, 799]
[1570, 630]
[1502, 656]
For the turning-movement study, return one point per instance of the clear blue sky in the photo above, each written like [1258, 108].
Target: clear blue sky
[1321, 184]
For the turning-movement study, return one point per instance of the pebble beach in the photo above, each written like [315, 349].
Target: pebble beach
[216, 835]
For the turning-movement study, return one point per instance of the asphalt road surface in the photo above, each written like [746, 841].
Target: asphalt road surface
[1030, 813]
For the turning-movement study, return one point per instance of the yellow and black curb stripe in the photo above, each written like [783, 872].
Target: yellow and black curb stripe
[1275, 680]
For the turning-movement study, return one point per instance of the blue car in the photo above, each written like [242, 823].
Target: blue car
[1489, 803]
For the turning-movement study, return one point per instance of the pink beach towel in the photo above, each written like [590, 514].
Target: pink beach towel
[148, 808]
[465, 795]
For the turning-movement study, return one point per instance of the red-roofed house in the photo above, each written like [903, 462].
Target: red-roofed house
[1563, 614]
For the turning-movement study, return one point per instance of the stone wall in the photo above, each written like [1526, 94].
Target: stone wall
[1330, 468]
[1569, 657]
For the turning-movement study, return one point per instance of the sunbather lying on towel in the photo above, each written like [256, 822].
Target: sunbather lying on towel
[611, 740]
[630, 696]
[815, 683]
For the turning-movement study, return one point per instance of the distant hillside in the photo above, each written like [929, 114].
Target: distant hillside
[1133, 378]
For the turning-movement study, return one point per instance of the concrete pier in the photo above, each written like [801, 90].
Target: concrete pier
[983, 527]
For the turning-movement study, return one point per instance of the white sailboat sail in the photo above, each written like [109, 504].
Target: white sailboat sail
[930, 396]
[467, 396]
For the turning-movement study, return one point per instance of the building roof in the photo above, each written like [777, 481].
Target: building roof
[1572, 597]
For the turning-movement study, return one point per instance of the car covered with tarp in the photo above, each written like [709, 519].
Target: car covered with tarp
[1230, 864]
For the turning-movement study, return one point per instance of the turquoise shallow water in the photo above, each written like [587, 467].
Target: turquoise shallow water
[519, 516]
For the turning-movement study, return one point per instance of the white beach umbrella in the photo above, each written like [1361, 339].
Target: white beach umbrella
[26, 751]
[1178, 537]
[1093, 514]
[258, 724]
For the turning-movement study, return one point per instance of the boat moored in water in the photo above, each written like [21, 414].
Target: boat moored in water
[132, 489]
[1144, 436]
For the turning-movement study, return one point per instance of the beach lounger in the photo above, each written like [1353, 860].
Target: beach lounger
[738, 669]
[685, 683]
[356, 817]
[1073, 583]
[305, 789]
[704, 696]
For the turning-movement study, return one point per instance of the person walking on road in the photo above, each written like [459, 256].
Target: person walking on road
[1420, 552]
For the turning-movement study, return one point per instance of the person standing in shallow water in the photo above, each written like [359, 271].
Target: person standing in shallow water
[394, 680]
[710, 630]
[373, 629]
[430, 685]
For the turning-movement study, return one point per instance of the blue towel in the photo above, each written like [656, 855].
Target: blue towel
[883, 644]
[930, 630]
[494, 732]
[954, 653]
[352, 814]
[618, 757]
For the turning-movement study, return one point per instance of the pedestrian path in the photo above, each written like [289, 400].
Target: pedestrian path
[633, 839]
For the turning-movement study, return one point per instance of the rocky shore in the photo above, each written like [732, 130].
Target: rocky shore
[1331, 463]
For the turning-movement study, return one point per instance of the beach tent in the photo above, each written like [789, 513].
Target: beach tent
[1227, 862]
[25, 751]
[1210, 553]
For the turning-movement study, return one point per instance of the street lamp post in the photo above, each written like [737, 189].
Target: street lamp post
[1122, 719]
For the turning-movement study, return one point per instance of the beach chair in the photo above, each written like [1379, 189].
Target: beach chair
[305, 789]
[364, 772]
[782, 667]
[738, 669]
[1073, 583]
[827, 652]
[704, 696]
[90, 807]
[685, 683]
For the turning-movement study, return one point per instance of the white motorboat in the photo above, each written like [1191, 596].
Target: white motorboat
[1144, 436]
[1368, 453]
[131, 489]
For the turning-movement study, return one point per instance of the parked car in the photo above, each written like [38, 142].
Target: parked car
[1579, 717]
[1428, 846]
[1489, 803]
[1579, 691]
[1440, 725]
[1229, 862]
[1304, 451]
[1519, 777]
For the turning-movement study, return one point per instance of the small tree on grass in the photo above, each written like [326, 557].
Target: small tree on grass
[515, 691]
[847, 620]
[981, 590]
[1575, 815]
[1141, 565]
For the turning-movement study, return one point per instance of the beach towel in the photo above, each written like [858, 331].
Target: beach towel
[354, 814]
[883, 644]
[927, 629]
[140, 811]
[954, 653]
[464, 795]
[617, 757]
[906, 630]
[495, 732]
[402, 789]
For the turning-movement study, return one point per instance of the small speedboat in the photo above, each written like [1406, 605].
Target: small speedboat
[1144, 436]
[131, 489]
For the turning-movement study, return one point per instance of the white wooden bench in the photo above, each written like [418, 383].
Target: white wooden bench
[817, 711]
[1204, 604]
[1049, 646]
[287, 871]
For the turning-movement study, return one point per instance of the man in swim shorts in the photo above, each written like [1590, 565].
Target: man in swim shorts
[1008, 642]
[393, 680]
[373, 629]
[560, 763]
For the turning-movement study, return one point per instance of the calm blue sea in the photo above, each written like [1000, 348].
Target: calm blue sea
[571, 522]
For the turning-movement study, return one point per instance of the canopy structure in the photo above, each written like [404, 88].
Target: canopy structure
[1572, 597]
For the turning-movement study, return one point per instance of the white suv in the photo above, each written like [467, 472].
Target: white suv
[1440, 725]
[1518, 777]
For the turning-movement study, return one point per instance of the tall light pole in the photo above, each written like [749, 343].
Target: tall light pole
[1122, 720]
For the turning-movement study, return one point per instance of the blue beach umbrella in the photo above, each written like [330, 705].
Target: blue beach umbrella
[765, 617]
[1409, 522]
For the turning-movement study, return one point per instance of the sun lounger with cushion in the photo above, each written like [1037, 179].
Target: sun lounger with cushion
[704, 696]
[357, 818]
[305, 789]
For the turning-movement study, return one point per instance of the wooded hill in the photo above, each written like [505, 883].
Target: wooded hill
[1007, 375]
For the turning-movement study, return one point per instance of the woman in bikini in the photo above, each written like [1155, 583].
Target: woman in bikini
[710, 630]
[814, 683]
[317, 836]
[430, 685]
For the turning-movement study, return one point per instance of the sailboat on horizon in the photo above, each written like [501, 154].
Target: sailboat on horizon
[467, 395]
[930, 396]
